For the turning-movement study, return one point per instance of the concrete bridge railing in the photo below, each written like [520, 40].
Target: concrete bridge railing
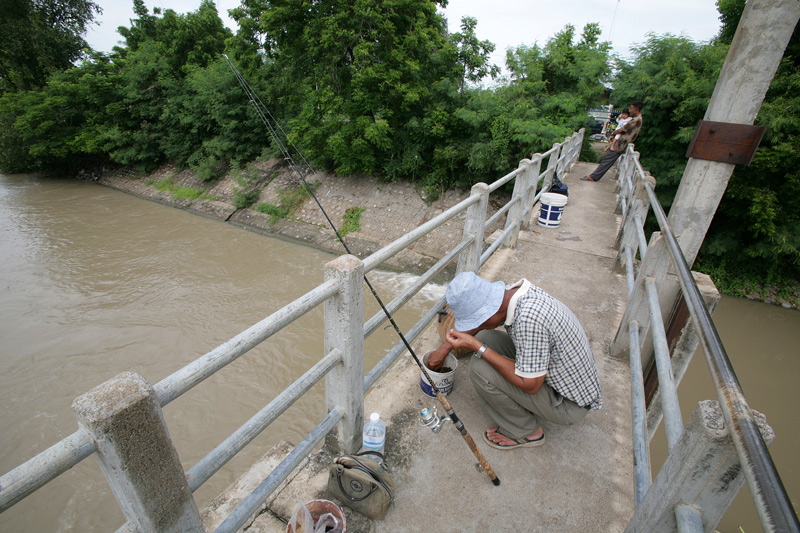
[724, 442]
[121, 420]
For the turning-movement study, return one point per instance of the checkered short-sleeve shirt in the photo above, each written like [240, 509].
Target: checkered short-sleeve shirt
[549, 340]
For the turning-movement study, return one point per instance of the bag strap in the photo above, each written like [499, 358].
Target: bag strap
[364, 468]
[369, 452]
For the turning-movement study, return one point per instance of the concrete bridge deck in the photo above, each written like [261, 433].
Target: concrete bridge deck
[580, 480]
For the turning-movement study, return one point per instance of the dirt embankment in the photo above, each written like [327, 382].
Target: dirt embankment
[390, 209]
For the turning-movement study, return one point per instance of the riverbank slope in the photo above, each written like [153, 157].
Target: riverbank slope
[389, 209]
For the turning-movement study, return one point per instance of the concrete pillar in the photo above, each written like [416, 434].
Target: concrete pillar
[532, 183]
[123, 416]
[638, 203]
[469, 260]
[703, 471]
[344, 331]
[514, 216]
[552, 166]
[625, 178]
[753, 58]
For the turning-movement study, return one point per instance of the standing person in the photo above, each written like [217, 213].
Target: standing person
[627, 134]
[623, 118]
[540, 369]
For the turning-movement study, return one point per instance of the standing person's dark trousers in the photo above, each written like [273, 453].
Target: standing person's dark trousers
[604, 165]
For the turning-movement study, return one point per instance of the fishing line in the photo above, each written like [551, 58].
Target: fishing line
[262, 113]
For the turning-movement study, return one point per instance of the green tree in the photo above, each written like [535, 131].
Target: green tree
[755, 233]
[370, 72]
[473, 54]
[61, 124]
[150, 122]
[756, 230]
[40, 38]
[674, 77]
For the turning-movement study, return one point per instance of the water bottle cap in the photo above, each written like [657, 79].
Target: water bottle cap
[374, 417]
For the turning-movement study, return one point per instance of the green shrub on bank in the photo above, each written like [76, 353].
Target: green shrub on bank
[243, 198]
[211, 169]
[180, 192]
[351, 221]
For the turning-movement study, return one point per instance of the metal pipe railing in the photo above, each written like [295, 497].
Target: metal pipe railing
[253, 502]
[227, 449]
[198, 370]
[641, 451]
[673, 421]
[773, 505]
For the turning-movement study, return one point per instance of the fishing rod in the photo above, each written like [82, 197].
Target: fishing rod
[262, 114]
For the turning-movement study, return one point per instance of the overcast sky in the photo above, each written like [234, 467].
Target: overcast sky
[506, 23]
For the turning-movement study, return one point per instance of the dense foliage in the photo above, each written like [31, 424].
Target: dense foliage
[39, 38]
[369, 86]
[755, 234]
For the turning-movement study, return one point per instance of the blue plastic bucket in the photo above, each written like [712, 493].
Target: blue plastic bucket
[443, 380]
[551, 209]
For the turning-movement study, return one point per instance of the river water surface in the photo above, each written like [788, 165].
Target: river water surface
[94, 282]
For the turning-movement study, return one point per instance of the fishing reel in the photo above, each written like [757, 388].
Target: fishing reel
[430, 418]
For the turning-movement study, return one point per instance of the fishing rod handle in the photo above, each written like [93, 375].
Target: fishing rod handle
[467, 437]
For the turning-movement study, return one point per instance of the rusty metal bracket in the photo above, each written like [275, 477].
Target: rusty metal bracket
[724, 142]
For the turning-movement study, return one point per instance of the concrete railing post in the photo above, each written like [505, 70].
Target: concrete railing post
[626, 177]
[531, 184]
[579, 147]
[514, 217]
[344, 331]
[703, 471]
[123, 416]
[469, 260]
[638, 204]
[573, 151]
[552, 166]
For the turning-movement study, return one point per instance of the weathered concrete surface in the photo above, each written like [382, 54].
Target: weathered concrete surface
[581, 479]
[123, 417]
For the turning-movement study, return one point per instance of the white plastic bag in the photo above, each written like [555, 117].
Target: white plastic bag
[303, 522]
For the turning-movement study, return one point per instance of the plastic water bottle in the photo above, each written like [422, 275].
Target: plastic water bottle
[374, 436]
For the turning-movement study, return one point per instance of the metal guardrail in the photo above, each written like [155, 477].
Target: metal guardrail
[772, 503]
[49, 464]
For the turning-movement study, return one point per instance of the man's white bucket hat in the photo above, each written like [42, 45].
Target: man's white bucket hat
[473, 299]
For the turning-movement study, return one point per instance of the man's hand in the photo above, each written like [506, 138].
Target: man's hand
[437, 357]
[460, 339]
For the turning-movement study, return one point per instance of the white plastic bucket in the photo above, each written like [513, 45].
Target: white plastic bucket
[551, 210]
[443, 380]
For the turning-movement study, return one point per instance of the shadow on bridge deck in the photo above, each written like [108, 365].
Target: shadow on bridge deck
[581, 479]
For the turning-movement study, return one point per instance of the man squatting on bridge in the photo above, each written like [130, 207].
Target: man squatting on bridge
[541, 369]
[627, 134]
